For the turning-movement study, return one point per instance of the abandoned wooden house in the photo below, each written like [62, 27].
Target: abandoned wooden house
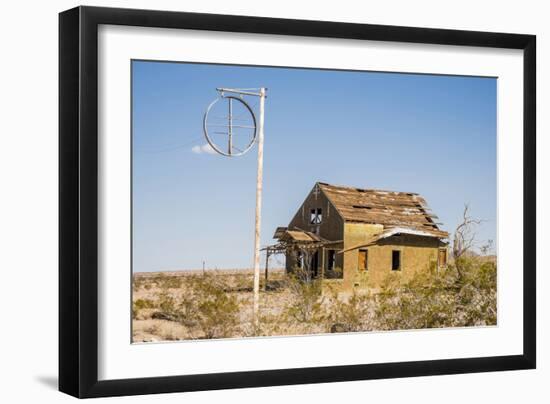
[357, 236]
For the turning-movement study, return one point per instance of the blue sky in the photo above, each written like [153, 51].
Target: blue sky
[435, 135]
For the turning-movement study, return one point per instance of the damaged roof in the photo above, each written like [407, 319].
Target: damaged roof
[388, 208]
[386, 234]
[300, 235]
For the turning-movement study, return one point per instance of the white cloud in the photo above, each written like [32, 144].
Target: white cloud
[205, 148]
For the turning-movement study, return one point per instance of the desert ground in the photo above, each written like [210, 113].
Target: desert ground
[184, 305]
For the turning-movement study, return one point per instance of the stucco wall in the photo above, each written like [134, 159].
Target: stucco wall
[417, 253]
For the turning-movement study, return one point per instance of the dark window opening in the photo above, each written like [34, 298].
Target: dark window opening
[363, 263]
[331, 271]
[315, 264]
[396, 260]
[331, 260]
[316, 216]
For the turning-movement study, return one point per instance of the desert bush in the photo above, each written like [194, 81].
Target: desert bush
[167, 303]
[214, 310]
[440, 299]
[350, 313]
[141, 304]
[206, 305]
[306, 303]
[477, 298]
[144, 304]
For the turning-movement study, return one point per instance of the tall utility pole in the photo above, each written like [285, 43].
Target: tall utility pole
[259, 185]
[230, 152]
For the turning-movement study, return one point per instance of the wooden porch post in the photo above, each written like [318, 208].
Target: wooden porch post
[267, 253]
[322, 272]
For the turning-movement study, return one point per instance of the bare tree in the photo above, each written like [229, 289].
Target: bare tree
[464, 239]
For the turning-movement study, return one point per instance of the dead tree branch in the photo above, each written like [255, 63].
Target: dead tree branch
[464, 238]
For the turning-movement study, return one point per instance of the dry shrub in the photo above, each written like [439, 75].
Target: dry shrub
[139, 305]
[215, 311]
[433, 299]
[206, 305]
[306, 303]
[351, 313]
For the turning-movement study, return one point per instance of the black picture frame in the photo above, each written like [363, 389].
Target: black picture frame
[78, 201]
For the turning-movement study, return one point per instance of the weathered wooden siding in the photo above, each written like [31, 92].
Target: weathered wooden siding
[331, 227]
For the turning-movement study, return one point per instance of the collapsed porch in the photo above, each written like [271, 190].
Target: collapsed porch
[306, 252]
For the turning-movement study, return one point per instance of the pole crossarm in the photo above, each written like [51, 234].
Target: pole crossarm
[242, 91]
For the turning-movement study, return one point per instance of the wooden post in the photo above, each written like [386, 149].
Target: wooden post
[259, 181]
[267, 253]
[322, 272]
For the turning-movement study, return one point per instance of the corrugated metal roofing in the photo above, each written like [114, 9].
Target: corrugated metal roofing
[388, 208]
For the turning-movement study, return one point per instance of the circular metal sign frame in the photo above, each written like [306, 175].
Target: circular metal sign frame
[211, 142]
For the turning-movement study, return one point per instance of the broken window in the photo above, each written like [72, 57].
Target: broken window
[316, 216]
[331, 260]
[442, 257]
[363, 260]
[331, 270]
[396, 260]
[299, 259]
